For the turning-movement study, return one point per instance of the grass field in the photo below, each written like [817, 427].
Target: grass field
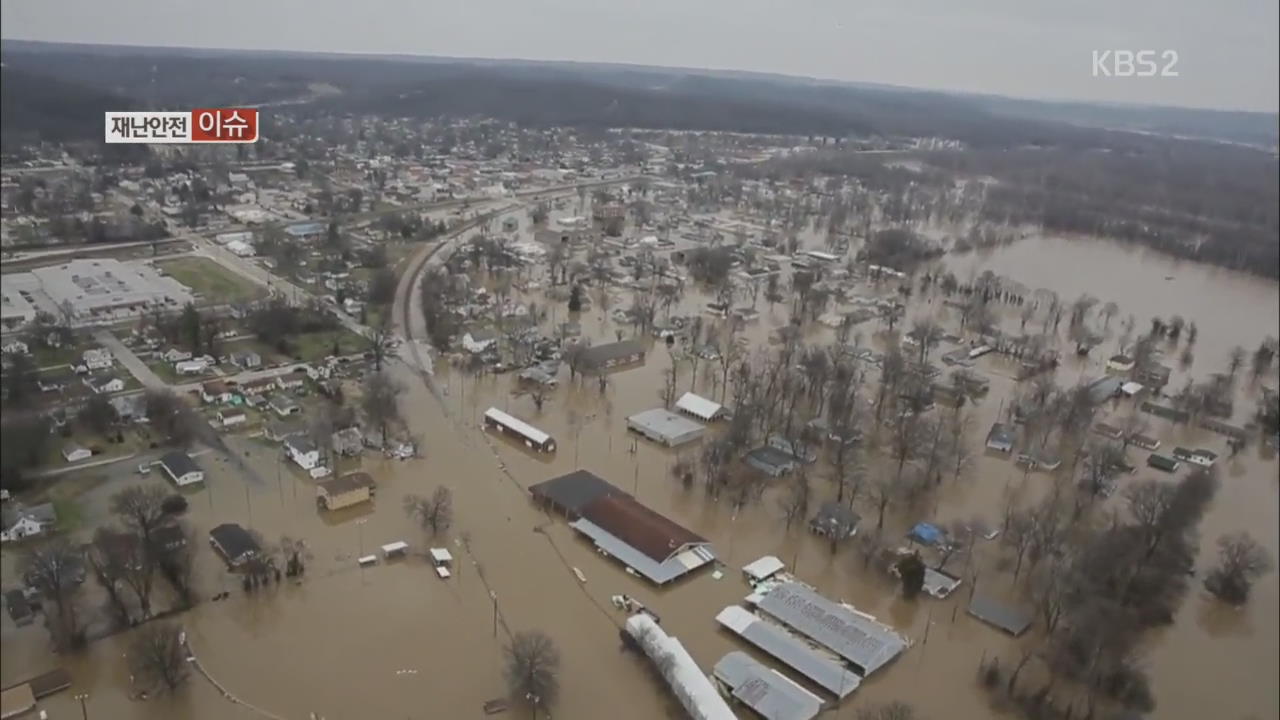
[53, 357]
[316, 346]
[213, 283]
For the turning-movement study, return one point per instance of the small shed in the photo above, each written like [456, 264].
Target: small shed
[395, 549]
[699, 407]
[762, 569]
[442, 559]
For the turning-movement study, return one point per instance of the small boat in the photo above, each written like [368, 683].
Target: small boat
[581, 578]
[493, 707]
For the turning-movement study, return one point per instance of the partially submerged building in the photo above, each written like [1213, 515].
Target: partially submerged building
[700, 407]
[766, 691]
[181, 469]
[599, 358]
[823, 670]
[1000, 615]
[233, 543]
[866, 644]
[665, 427]
[649, 544]
[568, 494]
[345, 491]
[696, 694]
[532, 437]
[834, 521]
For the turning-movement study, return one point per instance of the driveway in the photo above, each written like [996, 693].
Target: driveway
[131, 362]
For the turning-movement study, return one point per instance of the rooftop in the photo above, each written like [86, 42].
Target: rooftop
[856, 637]
[575, 490]
[178, 463]
[1000, 615]
[643, 529]
[346, 483]
[765, 690]
[665, 423]
[699, 406]
[824, 671]
[600, 354]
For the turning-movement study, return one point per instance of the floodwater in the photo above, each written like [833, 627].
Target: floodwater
[394, 641]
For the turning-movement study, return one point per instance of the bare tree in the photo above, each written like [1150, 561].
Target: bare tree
[55, 569]
[379, 404]
[532, 670]
[140, 508]
[795, 502]
[108, 568]
[434, 514]
[157, 658]
[1241, 561]
[176, 562]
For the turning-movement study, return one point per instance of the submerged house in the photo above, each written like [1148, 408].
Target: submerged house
[1000, 438]
[834, 521]
[600, 358]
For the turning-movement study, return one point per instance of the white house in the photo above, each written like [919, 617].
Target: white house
[195, 366]
[478, 341]
[19, 522]
[174, 355]
[229, 418]
[289, 382]
[215, 391]
[302, 451]
[97, 359]
[75, 453]
[181, 469]
[241, 248]
[103, 385]
[15, 347]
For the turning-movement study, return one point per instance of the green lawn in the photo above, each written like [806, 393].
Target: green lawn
[69, 515]
[316, 346]
[49, 357]
[214, 283]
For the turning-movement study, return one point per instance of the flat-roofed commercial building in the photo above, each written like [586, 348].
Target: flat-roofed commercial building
[96, 290]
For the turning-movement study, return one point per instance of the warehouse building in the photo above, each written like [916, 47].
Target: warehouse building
[95, 290]
[649, 544]
[665, 427]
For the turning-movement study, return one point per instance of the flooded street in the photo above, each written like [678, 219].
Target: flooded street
[395, 641]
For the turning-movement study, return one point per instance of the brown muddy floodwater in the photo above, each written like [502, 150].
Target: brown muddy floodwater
[393, 641]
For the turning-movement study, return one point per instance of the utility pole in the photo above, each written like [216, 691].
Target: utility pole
[84, 713]
[494, 596]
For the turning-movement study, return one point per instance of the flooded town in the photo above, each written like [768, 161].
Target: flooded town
[401, 415]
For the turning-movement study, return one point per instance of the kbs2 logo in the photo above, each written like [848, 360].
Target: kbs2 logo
[1129, 63]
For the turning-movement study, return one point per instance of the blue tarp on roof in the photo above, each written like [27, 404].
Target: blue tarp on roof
[926, 534]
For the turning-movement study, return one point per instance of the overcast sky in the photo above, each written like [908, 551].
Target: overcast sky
[1227, 49]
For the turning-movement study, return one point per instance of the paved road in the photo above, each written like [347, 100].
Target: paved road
[130, 361]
